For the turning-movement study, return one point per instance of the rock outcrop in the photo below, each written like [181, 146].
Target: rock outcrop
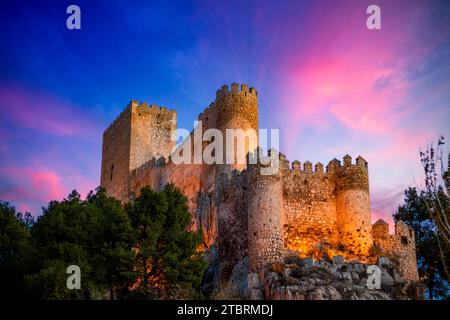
[306, 279]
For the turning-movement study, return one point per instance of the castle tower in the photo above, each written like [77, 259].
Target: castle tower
[400, 245]
[353, 205]
[237, 109]
[265, 206]
[137, 135]
[406, 251]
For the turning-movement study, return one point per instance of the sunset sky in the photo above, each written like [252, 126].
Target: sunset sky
[327, 82]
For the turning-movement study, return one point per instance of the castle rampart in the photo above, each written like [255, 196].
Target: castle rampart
[236, 109]
[309, 201]
[353, 206]
[232, 210]
[265, 209]
[400, 246]
[300, 209]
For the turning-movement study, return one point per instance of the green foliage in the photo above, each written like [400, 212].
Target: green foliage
[414, 212]
[94, 234]
[145, 245]
[15, 250]
[167, 256]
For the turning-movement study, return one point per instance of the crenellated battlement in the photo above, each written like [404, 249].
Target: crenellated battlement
[350, 176]
[335, 166]
[400, 246]
[308, 168]
[140, 108]
[208, 110]
[152, 163]
[209, 117]
[125, 113]
[402, 232]
[153, 109]
[237, 109]
[244, 90]
[254, 210]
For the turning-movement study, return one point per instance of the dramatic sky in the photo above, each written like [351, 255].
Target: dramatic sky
[327, 82]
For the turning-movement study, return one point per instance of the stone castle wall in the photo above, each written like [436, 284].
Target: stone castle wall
[353, 206]
[242, 212]
[232, 210]
[116, 156]
[140, 133]
[400, 246]
[151, 133]
[329, 209]
[265, 211]
[309, 204]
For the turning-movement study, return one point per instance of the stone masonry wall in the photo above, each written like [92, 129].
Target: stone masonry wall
[309, 200]
[231, 200]
[236, 109]
[399, 246]
[245, 213]
[265, 210]
[353, 206]
[151, 133]
[116, 156]
[327, 209]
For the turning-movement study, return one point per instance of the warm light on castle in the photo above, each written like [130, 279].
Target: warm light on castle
[263, 217]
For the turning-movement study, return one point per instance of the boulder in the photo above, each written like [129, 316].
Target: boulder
[386, 279]
[239, 282]
[383, 262]
[347, 276]
[338, 260]
[307, 262]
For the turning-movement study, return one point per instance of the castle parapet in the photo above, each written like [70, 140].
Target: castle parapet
[152, 163]
[236, 110]
[125, 113]
[307, 167]
[318, 168]
[400, 246]
[237, 105]
[380, 229]
[153, 109]
[296, 168]
[244, 90]
[351, 176]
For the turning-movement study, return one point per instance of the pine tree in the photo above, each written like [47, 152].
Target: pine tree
[168, 263]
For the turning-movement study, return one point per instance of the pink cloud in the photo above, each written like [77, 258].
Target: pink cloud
[376, 215]
[32, 184]
[345, 89]
[3, 140]
[31, 177]
[44, 112]
[385, 203]
[341, 73]
[30, 188]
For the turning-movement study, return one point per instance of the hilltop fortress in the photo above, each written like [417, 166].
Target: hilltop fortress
[302, 210]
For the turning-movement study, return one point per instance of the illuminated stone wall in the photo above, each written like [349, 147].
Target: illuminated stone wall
[400, 246]
[309, 203]
[327, 211]
[301, 209]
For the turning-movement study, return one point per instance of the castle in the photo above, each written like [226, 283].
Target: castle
[297, 210]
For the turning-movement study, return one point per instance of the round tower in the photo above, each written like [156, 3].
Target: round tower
[237, 109]
[265, 207]
[353, 206]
